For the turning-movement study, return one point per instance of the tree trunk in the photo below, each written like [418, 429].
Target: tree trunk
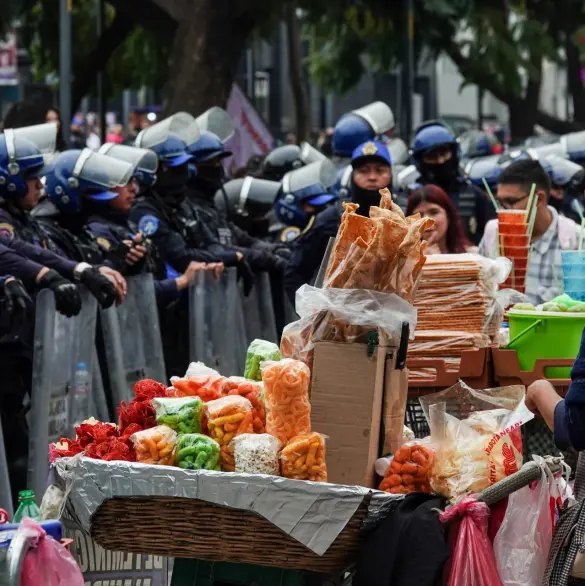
[210, 39]
[523, 112]
[86, 73]
[297, 79]
[575, 85]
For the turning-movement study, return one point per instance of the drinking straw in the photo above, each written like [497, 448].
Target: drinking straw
[532, 220]
[489, 191]
[582, 231]
[530, 198]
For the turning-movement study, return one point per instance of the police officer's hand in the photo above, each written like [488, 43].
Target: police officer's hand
[279, 263]
[184, 280]
[246, 275]
[216, 267]
[16, 295]
[117, 280]
[282, 251]
[136, 252]
[67, 297]
[100, 286]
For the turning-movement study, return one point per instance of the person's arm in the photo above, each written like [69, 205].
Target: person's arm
[565, 417]
[166, 290]
[17, 265]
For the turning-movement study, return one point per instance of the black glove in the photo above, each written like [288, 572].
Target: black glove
[282, 251]
[16, 296]
[100, 287]
[67, 297]
[246, 275]
[279, 263]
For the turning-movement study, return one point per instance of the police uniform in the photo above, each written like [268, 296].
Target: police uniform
[176, 234]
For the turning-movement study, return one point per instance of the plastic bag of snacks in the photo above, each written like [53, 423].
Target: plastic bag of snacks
[286, 392]
[183, 415]
[475, 452]
[197, 452]
[156, 445]
[227, 418]
[257, 454]
[252, 391]
[303, 458]
[259, 351]
[409, 470]
[199, 381]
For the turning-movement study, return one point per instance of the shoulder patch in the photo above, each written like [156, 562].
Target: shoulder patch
[148, 225]
[104, 243]
[289, 234]
[7, 230]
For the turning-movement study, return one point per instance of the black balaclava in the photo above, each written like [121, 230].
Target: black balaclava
[366, 198]
[443, 174]
[171, 183]
[208, 180]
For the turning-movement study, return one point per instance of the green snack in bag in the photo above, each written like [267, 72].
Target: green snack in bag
[259, 351]
[183, 414]
[197, 452]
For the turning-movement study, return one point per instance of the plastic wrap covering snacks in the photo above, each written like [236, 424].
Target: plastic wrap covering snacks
[182, 415]
[343, 315]
[477, 437]
[227, 418]
[384, 252]
[286, 392]
[252, 391]
[303, 458]
[259, 351]
[257, 454]
[156, 445]
[199, 381]
[312, 513]
[409, 470]
[197, 452]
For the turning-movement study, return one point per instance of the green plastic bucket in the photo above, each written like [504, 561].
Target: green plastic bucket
[541, 334]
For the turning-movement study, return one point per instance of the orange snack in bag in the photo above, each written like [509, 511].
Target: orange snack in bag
[409, 470]
[157, 445]
[227, 418]
[303, 458]
[206, 387]
[286, 392]
[252, 391]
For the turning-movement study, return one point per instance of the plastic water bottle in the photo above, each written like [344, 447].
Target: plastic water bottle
[79, 396]
[27, 507]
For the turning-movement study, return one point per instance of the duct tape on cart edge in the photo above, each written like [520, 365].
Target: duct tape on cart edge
[312, 513]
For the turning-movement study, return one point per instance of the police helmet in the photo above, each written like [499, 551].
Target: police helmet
[370, 149]
[431, 136]
[247, 197]
[574, 145]
[23, 154]
[217, 121]
[280, 161]
[169, 138]
[359, 126]
[562, 172]
[208, 147]
[308, 185]
[77, 173]
[143, 161]
[477, 143]
[480, 168]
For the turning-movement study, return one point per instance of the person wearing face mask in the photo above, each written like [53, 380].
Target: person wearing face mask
[435, 153]
[205, 181]
[371, 171]
[160, 212]
[567, 187]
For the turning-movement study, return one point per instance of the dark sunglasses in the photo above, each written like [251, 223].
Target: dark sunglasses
[508, 203]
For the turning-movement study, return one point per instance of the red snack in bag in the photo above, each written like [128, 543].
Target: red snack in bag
[409, 470]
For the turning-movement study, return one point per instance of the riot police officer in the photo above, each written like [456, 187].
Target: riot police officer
[372, 171]
[160, 212]
[567, 186]
[208, 153]
[435, 152]
[22, 165]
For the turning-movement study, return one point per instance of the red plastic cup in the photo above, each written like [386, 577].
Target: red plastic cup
[514, 252]
[519, 264]
[512, 216]
[505, 229]
[514, 240]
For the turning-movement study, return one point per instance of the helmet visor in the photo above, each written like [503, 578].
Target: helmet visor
[217, 121]
[102, 170]
[309, 154]
[562, 171]
[378, 115]
[181, 125]
[398, 151]
[141, 159]
[43, 136]
[320, 173]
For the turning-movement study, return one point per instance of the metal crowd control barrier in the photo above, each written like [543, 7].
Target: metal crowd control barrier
[5, 491]
[60, 344]
[259, 311]
[132, 339]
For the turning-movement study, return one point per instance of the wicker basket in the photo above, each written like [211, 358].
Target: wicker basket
[191, 528]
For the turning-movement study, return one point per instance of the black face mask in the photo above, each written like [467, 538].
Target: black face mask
[365, 198]
[441, 174]
[171, 182]
[208, 180]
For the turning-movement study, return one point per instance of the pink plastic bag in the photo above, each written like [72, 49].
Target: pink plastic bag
[47, 563]
[473, 562]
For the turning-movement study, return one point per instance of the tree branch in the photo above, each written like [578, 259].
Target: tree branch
[150, 15]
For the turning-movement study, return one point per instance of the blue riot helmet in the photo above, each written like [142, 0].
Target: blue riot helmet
[563, 172]
[541, 152]
[217, 121]
[76, 174]
[359, 126]
[169, 138]
[480, 168]
[207, 147]
[23, 155]
[143, 161]
[308, 185]
[574, 145]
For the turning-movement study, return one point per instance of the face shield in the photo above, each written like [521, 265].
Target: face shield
[99, 174]
[542, 152]
[309, 154]
[217, 121]
[574, 145]
[311, 183]
[30, 148]
[398, 151]
[249, 196]
[143, 160]
[563, 172]
[378, 115]
[180, 125]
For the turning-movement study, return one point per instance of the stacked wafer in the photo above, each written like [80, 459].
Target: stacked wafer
[456, 308]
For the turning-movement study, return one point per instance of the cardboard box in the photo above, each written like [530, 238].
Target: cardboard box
[350, 392]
